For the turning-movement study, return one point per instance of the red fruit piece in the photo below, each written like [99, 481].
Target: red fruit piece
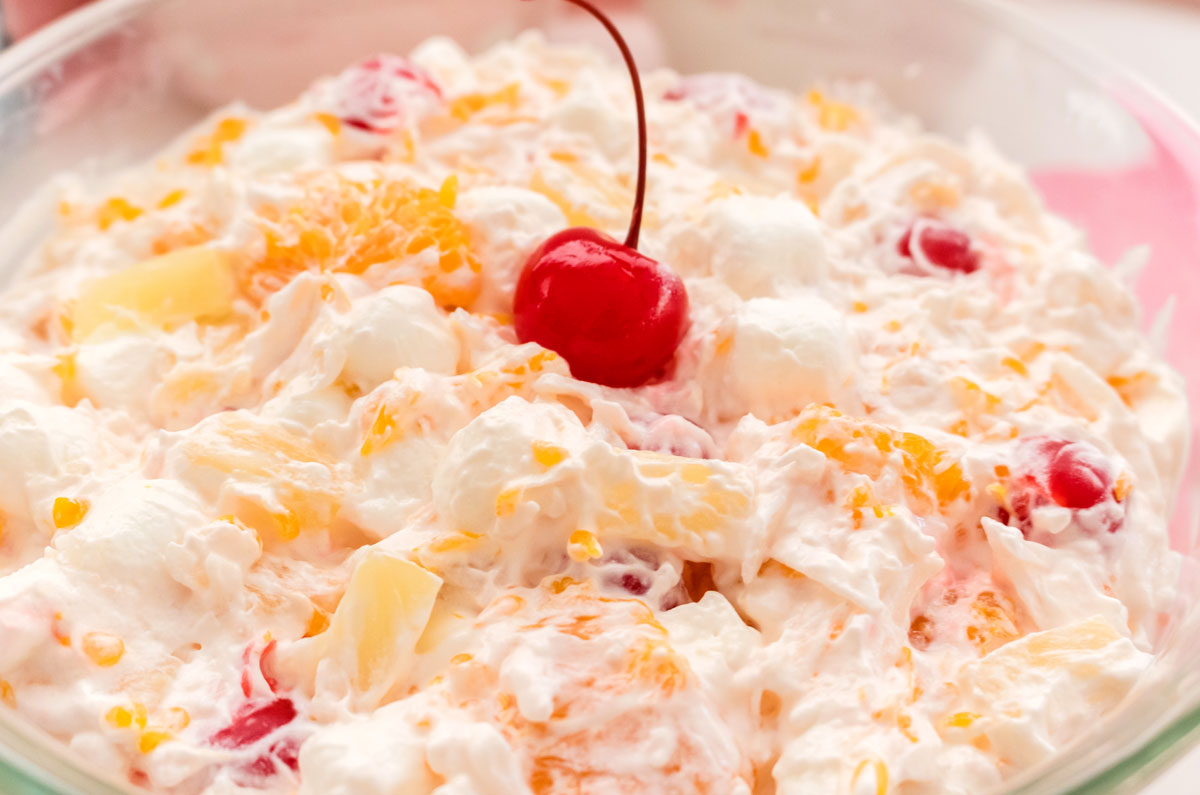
[1076, 479]
[286, 752]
[630, 570]
[1072, 475]
[741, 124]
[633, 582]
[264, 666]
[253, 722]
[615, 315]
[381, 92]
[941, 245]
[256, 669]
[262, 767]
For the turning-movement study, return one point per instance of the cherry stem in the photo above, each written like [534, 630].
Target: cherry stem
[639, 196]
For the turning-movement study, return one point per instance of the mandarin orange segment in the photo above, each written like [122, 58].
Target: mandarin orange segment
[344, 225]
[68, 512]
[8, 696]
[209, 150]
[833, 115]
[930, 477]
[992, 623]
[116, 209]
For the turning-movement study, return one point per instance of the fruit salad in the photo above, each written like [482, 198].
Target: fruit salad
[322, 470]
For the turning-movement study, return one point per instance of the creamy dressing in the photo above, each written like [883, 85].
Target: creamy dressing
[284, 504]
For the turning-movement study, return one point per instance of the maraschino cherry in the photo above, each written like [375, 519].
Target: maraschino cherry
[1073, 475]
[614, 314]
[941, 244]
[1074, 478]
[378, 94]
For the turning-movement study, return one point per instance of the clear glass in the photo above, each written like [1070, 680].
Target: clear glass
[107, 86]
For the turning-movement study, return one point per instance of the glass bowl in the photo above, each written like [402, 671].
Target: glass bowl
[107, 86]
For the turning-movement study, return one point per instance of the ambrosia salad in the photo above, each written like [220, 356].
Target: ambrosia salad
[287, 505]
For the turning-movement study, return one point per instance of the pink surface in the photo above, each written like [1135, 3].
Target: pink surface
[1104, 203]
[1100, 202]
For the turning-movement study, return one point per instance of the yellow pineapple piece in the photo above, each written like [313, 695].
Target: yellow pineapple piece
[444, 621]
[374, 631]
[709, 502]
[190, 284]
[1057, 680]
[305, 490]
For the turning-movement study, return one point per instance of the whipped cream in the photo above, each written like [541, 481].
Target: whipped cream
[285, 505]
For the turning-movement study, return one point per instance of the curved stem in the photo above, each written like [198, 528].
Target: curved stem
[639, 196]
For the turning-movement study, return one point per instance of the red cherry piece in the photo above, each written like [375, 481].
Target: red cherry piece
[941, 245]
[1073, 475]
[634, 583]
[741, 124]
[1075, 479]
[256, 770]
[614, 314]
[264, 666]
[247, 684]
[284, 753]
[252, 723]
[287, 751]
[375, 95]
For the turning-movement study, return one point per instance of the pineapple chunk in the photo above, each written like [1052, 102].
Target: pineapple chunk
[1034, 693]
[672, 501]
[374, 631]
[189, 284]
